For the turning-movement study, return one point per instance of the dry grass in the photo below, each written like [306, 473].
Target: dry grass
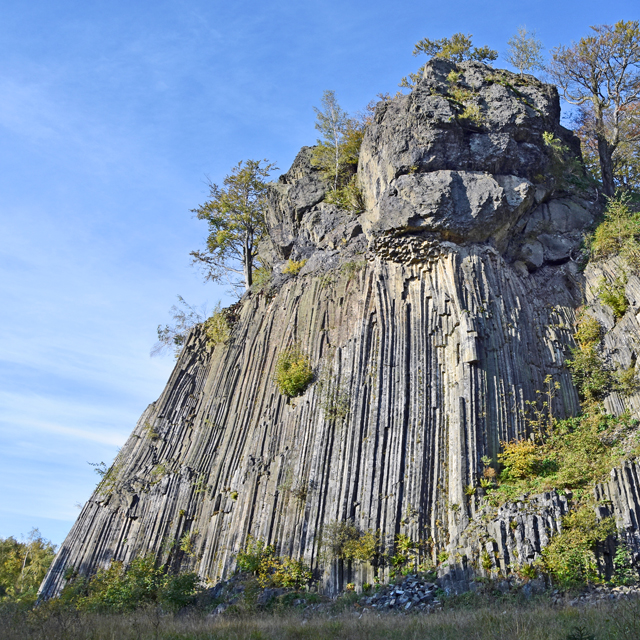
[505, 622]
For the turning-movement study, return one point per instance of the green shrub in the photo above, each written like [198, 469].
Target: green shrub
[588, 332]
[472, 113]
[349, 197]
[293, 372]
[626, 381]
[293, 267]
[624, 572]
[485, 560]
[570, 556]
[577, 454]
[261, 277]
[591, 377]
[344, 540]
[260, 559]
[520, 459]
[565, 168]
[350, 269]
[217, 328]
[618, 234]
[119, 589]
[250, 557]
[614, 295]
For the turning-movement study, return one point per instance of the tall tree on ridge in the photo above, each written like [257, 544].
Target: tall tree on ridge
[602, 69]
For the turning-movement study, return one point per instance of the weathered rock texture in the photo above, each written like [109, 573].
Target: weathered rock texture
[430, 320]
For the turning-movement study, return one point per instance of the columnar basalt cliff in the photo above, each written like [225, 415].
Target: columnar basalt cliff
[430, 319]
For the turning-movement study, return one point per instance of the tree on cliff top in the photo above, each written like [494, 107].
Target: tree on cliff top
[602, 71]
[457, 48]
[524, 51]
[337, 151]
[625, 158]
[235, 214]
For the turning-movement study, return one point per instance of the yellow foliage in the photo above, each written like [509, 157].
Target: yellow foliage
[293, 267]
[519, 458]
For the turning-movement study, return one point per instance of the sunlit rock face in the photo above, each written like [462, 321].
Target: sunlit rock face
[431, 319]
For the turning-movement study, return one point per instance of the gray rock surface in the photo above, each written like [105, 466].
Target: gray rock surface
[431, 319]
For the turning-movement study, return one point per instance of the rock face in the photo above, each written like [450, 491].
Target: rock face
[430, 319]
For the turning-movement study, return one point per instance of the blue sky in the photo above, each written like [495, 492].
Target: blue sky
[112, 114]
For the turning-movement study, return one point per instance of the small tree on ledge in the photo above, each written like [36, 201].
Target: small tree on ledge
[235, 214]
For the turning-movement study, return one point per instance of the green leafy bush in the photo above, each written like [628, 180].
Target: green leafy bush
[293, 372]
[217, 328]
[570, 556]
[271, 570]
[565, 168]
[591, 377]
[588, 332]
[520, 459]
[618, 234]
[119, 589]
[613, 295]
[349, 197]
[578, 453]
[624, 572]
[261, 278]
[589, 374]
[344, 540]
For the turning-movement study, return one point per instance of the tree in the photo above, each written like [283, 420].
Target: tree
[602, 70]
[23, 566]
[337, 153]
[339, 143]
[235, 214]
[457, 48]
[625, 158]
[173, 336]
[524, 51]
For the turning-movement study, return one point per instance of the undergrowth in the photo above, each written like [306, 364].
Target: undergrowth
[618, 234]
[577, 454]
[272, 570]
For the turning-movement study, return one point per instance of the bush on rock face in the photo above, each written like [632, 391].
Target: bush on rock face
[293, 372]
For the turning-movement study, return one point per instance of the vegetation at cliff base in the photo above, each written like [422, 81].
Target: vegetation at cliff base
[23, 565]
[119, 589]
[270, 569]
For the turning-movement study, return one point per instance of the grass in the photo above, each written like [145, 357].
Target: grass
[500, 621]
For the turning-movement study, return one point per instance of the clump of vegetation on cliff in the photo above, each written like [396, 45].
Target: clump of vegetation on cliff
[293, 372]
[618, 234]
[570, 556]
[579, 452]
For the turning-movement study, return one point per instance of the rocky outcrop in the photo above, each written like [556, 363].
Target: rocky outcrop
[430, 319]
